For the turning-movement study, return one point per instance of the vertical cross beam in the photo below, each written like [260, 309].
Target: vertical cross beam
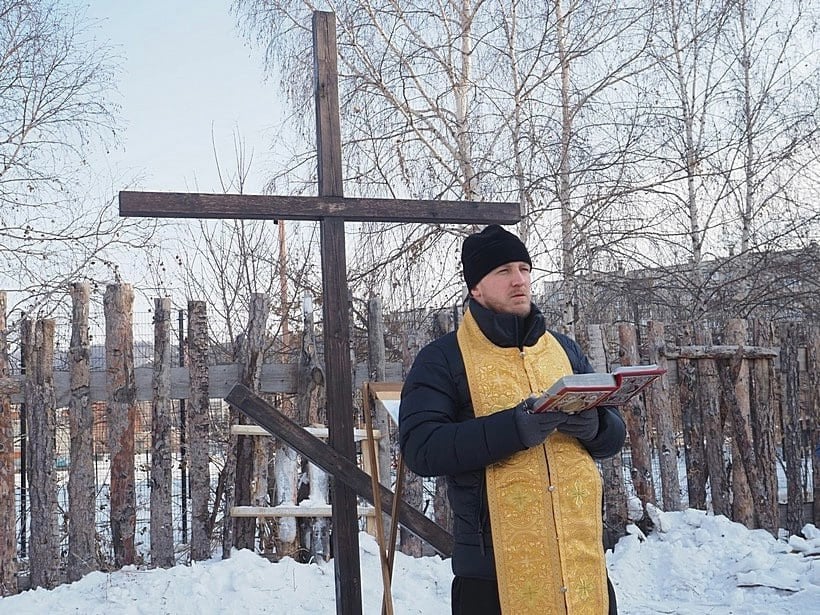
[336, 313]
[331, 209]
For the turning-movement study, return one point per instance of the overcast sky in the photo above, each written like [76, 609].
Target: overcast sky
[186, 72]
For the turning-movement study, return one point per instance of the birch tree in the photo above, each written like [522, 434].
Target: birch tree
[56, 106]
[735, 110]
[475, 100]
[618, 126]
[774, 70]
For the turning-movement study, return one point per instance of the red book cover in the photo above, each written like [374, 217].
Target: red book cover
[577, 392]
[631, 380]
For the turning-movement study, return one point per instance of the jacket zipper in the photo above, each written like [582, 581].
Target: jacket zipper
[482, 515]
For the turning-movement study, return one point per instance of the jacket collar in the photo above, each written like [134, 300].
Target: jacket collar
[509, 330]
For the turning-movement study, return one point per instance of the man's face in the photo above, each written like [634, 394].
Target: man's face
[506, 289]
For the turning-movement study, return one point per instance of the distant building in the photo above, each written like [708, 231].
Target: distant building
[775, 286]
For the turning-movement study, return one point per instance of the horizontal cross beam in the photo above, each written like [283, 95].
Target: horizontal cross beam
[267, 207]
[333, 463]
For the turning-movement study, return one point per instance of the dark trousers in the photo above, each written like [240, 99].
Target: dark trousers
[480, 597]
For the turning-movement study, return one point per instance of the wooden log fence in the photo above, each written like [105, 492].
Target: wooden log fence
[121, 418]
[311, 408]
[635, 416]
[37, 339]
[82, 488]
[162, 525]
[197, 424]
[813, 378]
[708, 395]
[734, 379]
[763, 405]
[616, 516]
[720, 406]
[790, 422]
[662, 417]
[8, 546]
[691, 421]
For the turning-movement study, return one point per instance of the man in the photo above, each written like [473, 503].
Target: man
[524, 488]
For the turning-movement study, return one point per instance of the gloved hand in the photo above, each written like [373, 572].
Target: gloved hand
[583, 425]
[533, 429]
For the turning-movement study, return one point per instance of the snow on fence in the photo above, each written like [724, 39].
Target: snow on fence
[139, 463]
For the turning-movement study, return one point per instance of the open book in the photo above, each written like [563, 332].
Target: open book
[577, 392]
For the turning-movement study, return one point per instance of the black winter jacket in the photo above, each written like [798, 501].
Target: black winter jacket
[441, 436]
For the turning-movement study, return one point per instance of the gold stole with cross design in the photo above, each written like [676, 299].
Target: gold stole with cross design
[545, 502]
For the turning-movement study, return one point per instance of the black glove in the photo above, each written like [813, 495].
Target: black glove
[583, 425]
[533, 429]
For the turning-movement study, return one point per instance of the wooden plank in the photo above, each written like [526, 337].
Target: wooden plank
[275, 378]
[723, 351]
[319, 432]
[341, 468]
[268, 207]
[325, 510]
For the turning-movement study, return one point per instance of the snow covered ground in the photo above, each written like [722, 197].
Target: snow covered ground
[693, 564]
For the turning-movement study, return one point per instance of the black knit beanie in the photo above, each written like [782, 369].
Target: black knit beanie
[482, 252]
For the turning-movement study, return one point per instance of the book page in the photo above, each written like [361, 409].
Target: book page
[573, 401]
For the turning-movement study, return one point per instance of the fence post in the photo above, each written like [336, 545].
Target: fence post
[691, 422]
[44, 558]
[661, 412]
[121, 412]
[790, 421]
[82, 488]
[23, 450]
[376, 371]
[311, 408]
[162, 527]
[616, 515]
[251, 350]
[8, 541]
[762, 408]
[813, 373]
[739, 422]
[197, 435]
[183, 433]
[635, 416]
[708, 396]
[442, 511]
[285, 459]
[413, 338]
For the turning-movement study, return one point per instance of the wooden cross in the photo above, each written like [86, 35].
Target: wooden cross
[331, 209]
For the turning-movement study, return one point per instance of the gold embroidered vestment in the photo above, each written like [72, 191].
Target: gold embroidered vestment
[545, 502]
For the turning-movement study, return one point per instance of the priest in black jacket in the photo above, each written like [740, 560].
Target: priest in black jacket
[524, 487]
